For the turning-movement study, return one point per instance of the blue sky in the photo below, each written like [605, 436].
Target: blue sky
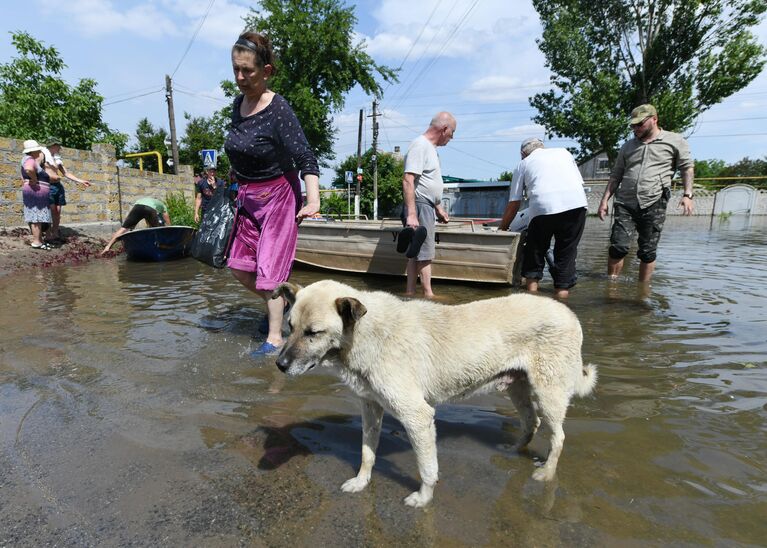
[477, 59]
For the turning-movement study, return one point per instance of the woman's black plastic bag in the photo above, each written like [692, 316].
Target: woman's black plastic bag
[212, 240]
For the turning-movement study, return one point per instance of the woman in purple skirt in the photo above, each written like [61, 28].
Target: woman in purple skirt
[35, 192]
[267, 149]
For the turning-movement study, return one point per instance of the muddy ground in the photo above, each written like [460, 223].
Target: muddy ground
[82, 242]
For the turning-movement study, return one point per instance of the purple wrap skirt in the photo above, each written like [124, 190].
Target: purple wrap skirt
[266, 230]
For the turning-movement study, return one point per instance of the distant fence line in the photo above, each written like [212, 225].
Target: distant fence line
[111, 195]
[476, 200]
[711, 183]
[491, 201]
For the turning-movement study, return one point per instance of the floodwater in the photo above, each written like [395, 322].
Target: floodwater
[130, 413]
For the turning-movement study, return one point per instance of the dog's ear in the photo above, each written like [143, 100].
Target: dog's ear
[350, 310]
[287, 290]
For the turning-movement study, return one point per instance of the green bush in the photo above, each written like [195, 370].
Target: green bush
[334, 205]
[181, 212]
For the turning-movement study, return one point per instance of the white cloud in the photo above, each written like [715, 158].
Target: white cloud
[526, 130]
[455, 29]
[507, 89]
[492, 58]
[434, 42]
[177, 19]
[102, 17]
[223, 23]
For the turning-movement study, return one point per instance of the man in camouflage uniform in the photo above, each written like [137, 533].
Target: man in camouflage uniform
[641, 183]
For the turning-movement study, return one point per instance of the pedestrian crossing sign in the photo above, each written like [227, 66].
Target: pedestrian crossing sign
[209, 157]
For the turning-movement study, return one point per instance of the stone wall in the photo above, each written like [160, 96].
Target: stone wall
[112, 192]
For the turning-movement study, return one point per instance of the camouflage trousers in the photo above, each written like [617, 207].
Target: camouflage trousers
[647, 223]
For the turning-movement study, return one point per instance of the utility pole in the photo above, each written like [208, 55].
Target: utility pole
[375, 160]
[172, 120]
[358, 175]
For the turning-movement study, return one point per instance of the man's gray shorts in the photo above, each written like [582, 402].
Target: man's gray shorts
[427, 217]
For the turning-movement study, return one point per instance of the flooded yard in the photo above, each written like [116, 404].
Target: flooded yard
[130, 413]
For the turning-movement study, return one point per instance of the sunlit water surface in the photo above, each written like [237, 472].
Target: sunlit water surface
[130, 412]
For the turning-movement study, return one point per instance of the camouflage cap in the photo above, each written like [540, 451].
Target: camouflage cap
[639, 114]
[53, 140]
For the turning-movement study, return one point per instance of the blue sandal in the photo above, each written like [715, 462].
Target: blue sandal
[266, 349]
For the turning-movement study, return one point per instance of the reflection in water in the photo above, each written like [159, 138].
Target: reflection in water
[129, 410]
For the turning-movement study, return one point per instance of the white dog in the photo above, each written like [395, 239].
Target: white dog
[406, 356]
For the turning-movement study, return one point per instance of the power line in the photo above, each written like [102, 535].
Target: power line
[423, 28]
[452, 147]
[210, 97]
[189, 46]
[575, 140]
[453, 32]
[476, 157]
[727, 135]
[116, 95]
[131, 98]
[540, 85]
[732, 120]
[428, 46]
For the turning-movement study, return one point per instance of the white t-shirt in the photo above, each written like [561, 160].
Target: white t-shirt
[52, 159]
[422, 161]
[552, 181]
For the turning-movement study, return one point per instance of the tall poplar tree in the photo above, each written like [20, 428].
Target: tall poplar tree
[683, 56]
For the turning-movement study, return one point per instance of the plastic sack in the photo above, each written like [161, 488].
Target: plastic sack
[213, 239]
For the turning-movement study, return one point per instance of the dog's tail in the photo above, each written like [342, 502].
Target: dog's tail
[587, 381]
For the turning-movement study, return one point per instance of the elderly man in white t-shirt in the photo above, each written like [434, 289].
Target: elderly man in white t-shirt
[422, 191]
[557, 208]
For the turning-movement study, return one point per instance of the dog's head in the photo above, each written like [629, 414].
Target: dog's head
[322, 319]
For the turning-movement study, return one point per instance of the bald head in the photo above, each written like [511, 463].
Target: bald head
[441, 128]
[442, 119]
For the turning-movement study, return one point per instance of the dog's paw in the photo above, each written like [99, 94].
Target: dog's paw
[417, 500]
[522, 443]
[354, 485]
[544, 474]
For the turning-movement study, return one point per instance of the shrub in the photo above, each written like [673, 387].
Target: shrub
[181, 212]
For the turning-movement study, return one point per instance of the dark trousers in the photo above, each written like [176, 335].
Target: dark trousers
[141, 212]
[566, 228]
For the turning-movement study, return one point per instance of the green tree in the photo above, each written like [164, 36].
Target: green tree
[205, 133]
[709, 168]
[35, 102]
[148, 139]
[391, 168]
[336, 205]
[607, 57]
[505, 176]
[317, 62]
[747, 168]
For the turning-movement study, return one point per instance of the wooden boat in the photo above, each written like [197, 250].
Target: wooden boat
[466, 250]
[162, 243]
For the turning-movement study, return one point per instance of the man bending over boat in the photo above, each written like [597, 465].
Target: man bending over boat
[554, 187]
[151, 210]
